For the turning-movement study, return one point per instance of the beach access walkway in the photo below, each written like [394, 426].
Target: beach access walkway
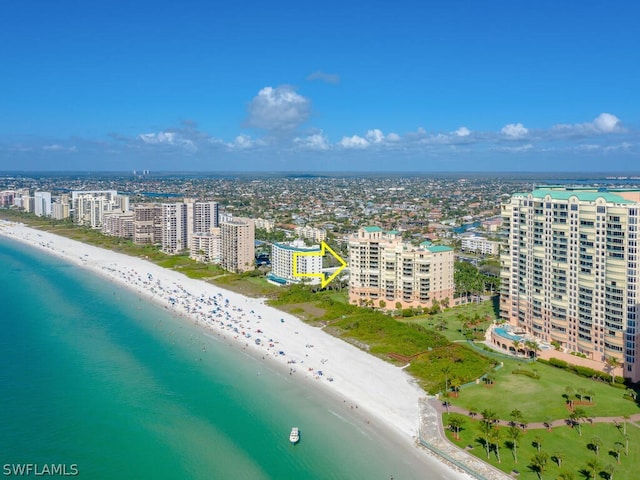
[432, 436]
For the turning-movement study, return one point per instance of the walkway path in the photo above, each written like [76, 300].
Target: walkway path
[441, 408]
[433, 437]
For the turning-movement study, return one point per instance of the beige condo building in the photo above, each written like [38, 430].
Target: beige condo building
[570, 271]
[238, 245]
[385, 271]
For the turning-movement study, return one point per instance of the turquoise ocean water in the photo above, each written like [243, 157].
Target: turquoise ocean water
[94, 376]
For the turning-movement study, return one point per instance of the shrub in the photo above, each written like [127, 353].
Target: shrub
[527, 373]
[556, 362]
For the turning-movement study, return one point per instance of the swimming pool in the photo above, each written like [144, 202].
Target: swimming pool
[504, 333]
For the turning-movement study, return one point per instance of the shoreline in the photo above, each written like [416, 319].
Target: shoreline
[384, 396]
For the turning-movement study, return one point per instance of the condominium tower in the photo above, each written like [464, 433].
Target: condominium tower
[387, 272]
[570, 271]
[238, 245]
[282, 263]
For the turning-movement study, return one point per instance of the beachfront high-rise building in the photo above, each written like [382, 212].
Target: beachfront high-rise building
[61, 207]
[205, 216]
[42, 204]
[90, 206]
[206, 247]
[147, 224]
[387, 272]
[282, 262]
[570, 271]
[6, 198]
[118, 224]
[238, 244]
[175, 227]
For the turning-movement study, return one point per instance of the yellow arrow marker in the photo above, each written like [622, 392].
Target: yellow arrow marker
[325, 248]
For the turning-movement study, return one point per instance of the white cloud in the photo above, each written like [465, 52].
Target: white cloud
[606, 123]
[156, 138]
[462, 132]
[375, 136]
[167, 138]
[56, 147]
[242, 142]
[514, 130]
[354, 142]
[317, 141]
[602, 124]
[518, 149]
[278, 110]
[393, 137]
[331, 78]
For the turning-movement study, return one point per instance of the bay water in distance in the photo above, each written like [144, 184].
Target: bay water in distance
[92, 375]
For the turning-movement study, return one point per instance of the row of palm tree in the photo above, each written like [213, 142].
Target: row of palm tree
[491, 437]
[529, 347]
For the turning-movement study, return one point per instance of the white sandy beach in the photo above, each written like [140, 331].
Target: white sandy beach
[383, 393]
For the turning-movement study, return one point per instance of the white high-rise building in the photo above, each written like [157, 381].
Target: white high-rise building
[205, 216]
[282, 263]
[90, 206]
[42, 204]
[175, 227]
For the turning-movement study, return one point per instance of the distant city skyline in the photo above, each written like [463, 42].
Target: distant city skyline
[326, 86]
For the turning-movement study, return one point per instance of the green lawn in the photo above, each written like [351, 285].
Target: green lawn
[450, 322]
[575, 450]
[540, 399]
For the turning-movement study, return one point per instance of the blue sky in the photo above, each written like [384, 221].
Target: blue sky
[311, 86]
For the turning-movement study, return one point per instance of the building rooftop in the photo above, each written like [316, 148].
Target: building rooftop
[585, 195]
[285, 246]
[372, 229]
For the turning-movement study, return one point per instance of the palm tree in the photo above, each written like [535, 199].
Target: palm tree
[489, 418]
[569, 394]
[516, 346]
[494, 438]
[617, 449]
[539, 463]
[596, 442]
[485, 430]
[532, 346]
[624, 423]
[593, 465]
[558, 456]
[548, 422]
[566, 475]
[489, 378]
[514, 434]
[455, 385]
[516, 416]
[575, 418]
[610, 365]
[537, 441]
[455, 423]
[609, 469]
[446, 370]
